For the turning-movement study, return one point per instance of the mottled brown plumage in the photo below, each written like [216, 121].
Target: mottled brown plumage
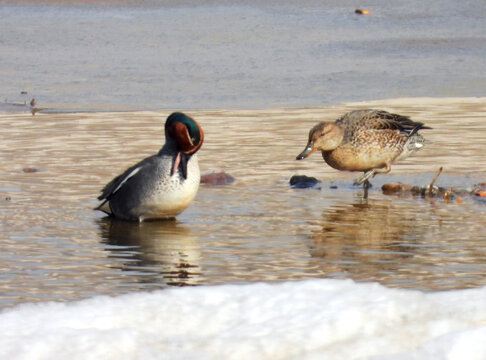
[365, 140]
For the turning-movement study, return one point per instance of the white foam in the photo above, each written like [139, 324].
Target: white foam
[315, 319]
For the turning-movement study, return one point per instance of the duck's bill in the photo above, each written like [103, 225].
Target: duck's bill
[180, 163]
[307, 151]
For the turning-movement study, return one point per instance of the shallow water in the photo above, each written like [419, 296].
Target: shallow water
[166, 54]
[55, 247]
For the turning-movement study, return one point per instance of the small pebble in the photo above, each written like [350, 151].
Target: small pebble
[29, 170]
[481, 193]
[362, 11]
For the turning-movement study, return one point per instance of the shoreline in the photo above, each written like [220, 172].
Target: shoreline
[19, 108]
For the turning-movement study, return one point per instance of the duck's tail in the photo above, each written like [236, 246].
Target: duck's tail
[414, 143]
[418, 127]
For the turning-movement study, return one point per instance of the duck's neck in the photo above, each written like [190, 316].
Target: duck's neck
[170, 147]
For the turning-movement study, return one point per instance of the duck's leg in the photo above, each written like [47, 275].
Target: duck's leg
[366, 186]
[364, 179]
[369, 174]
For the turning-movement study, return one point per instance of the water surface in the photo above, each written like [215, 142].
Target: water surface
[55, 247]
[157, 54]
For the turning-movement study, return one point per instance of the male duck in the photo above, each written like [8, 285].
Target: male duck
[163, 185]
[365, 140]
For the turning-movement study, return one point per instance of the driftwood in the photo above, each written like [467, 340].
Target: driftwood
[432, 191]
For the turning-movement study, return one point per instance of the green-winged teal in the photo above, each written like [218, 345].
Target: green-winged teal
[163, 185]
[365, 140]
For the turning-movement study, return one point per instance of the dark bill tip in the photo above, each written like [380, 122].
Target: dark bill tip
[307, 151]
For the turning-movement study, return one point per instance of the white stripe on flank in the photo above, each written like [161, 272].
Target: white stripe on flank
[128, 177]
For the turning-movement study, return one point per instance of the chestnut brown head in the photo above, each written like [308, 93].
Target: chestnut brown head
[187, 133]
[325, 136]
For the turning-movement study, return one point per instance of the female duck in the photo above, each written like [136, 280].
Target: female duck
[163, 185]
[365, 140]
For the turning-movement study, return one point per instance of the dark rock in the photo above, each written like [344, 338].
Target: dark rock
[303, 182]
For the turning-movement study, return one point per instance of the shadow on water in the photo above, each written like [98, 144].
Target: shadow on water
[158, 252]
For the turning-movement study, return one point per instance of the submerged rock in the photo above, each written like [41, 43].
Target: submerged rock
[29, 170]
[394, 188]
[220, 178]
[303, 182]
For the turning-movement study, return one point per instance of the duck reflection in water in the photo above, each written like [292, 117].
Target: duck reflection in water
[366, 241]
[154, 252]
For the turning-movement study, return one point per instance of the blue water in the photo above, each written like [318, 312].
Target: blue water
[238, 54]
